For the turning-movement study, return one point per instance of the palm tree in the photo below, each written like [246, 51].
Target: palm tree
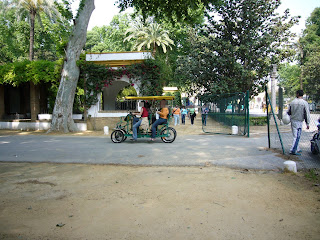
[151, 36]
[30, 10]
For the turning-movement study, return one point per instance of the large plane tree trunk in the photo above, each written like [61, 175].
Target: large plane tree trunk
[62, 113]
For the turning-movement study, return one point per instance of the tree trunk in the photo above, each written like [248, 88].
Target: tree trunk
[301, 78]
[32, 19]
[34, 90]
[154, 51]
[62, 113]
[34, 101]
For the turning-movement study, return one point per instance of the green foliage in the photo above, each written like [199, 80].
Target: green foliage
[175, 11]
[109, 38]
[258, 121]
[96, 77]
[234, 52]
[25, 71]
[93, 78]
[149, 34]
[51, 39]
[312, 175]
[14, 37]
[177, 99]
[289, 78]
[30, 10]
[42, 71]
[39, 72]
[229, 119]
[310, 56]
[50, 36]
[13, 73]
[311, 71]
[127, 91]
[64, 7]
[78, 106]
[148, 74]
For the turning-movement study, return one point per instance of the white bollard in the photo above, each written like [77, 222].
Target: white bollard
[106, 130]
[234, 130]
[290, 166]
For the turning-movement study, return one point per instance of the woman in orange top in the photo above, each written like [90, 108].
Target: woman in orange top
[163, 118]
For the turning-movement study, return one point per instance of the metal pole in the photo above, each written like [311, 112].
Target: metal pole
[280, 112]
[268, 123]
[248, 114]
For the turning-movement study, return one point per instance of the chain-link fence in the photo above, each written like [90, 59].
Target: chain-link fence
[281, 138]
[228, 113]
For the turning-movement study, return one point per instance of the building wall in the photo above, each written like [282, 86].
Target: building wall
[110, 94]
[98, 123]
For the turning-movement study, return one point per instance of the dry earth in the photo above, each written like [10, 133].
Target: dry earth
[77, 201]
[72, 201]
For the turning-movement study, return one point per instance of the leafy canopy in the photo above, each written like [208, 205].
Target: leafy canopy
[110, 38]
[305, 74]
[175, 11]
[233, 53]
[311, 55]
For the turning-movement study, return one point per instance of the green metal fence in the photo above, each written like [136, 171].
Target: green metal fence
[228, 113]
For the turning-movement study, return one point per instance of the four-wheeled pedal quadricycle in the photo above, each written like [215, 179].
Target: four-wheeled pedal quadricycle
[123, 128]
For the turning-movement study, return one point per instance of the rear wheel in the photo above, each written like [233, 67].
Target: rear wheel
[171, 135]
[117, 136]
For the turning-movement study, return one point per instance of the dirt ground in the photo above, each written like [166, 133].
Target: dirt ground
[78, 201]
[74, 201]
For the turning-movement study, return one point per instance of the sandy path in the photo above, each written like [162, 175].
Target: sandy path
[118, 202]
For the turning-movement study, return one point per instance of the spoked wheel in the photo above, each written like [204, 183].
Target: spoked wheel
[172, 134]
[117, 136]
[124, 136]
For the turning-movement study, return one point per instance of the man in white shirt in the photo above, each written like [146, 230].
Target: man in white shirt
[298, 111]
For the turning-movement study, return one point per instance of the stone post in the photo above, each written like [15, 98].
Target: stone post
[273, 87]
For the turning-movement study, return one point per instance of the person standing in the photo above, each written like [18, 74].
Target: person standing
[176, 115]
[184, 112]
[298, 111]
[163, 118]
[205, 111]
[192, 113]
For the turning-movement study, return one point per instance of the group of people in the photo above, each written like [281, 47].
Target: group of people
[183, 112]
[190, 112]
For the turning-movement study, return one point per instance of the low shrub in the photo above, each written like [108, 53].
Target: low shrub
[258, 121]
